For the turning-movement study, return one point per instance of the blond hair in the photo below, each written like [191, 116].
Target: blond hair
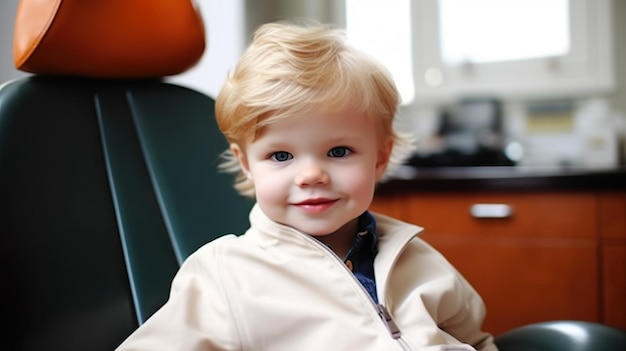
[291, 69]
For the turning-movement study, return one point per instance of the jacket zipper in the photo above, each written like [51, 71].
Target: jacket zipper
[395, 332]
[382, 311]
[386, 318]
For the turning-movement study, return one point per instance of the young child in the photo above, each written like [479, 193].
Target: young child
[310, 122]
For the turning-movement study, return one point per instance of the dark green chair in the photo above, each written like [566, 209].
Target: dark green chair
[563, 335]
[106, 185]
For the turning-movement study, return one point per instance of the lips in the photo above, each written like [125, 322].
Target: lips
[315, 205]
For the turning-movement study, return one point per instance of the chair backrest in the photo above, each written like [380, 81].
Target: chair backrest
[563, 336]
[107, 182]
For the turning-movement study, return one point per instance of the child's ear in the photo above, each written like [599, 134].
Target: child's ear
[241, 158]
[382, 161]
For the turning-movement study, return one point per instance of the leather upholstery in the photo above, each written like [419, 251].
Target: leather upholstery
[563, 336]
[107, 39]
[105, 187]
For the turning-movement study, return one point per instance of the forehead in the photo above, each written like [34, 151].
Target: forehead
[326, 124]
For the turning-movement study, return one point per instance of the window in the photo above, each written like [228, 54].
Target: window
[516, 49]
[502, 30]
[383, 29]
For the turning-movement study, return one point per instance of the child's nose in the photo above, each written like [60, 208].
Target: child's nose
[311, 173]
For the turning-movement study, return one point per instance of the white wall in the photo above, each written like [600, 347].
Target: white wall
[226, 40]
[8, 9]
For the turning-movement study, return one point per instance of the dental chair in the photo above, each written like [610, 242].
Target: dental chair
[108, 174]
[562, 335]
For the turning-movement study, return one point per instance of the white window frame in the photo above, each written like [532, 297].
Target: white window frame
[586, 70]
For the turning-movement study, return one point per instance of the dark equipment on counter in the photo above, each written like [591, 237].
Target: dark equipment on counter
[470, 134]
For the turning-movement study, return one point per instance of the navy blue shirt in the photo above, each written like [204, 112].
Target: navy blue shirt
[360, 257]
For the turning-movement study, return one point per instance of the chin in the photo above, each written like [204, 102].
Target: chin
[320, 231]
[317, 233]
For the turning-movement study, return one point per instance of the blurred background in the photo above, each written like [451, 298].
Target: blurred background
[485, 82]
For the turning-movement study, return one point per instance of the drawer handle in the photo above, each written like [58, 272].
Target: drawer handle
[491, 211]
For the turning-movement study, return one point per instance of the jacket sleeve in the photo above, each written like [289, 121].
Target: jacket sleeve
[195, 317]
[466, 323]
[455, 306]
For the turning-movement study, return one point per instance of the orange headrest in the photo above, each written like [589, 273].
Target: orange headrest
[108, 38]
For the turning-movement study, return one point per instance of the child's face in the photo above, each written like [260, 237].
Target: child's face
[316, 172]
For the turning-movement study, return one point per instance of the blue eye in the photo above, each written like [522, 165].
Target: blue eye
[340, 151]
[281, 156]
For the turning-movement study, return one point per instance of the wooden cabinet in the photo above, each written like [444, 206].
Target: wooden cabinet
[556, 255]
[612, 227]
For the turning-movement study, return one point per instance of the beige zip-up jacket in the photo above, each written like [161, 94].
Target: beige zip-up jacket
[277, 289]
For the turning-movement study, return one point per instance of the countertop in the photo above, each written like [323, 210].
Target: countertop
[504, 178]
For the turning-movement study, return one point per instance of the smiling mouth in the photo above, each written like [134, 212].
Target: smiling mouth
[315, 205]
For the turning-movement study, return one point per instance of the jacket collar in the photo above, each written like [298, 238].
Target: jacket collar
[392, 233]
